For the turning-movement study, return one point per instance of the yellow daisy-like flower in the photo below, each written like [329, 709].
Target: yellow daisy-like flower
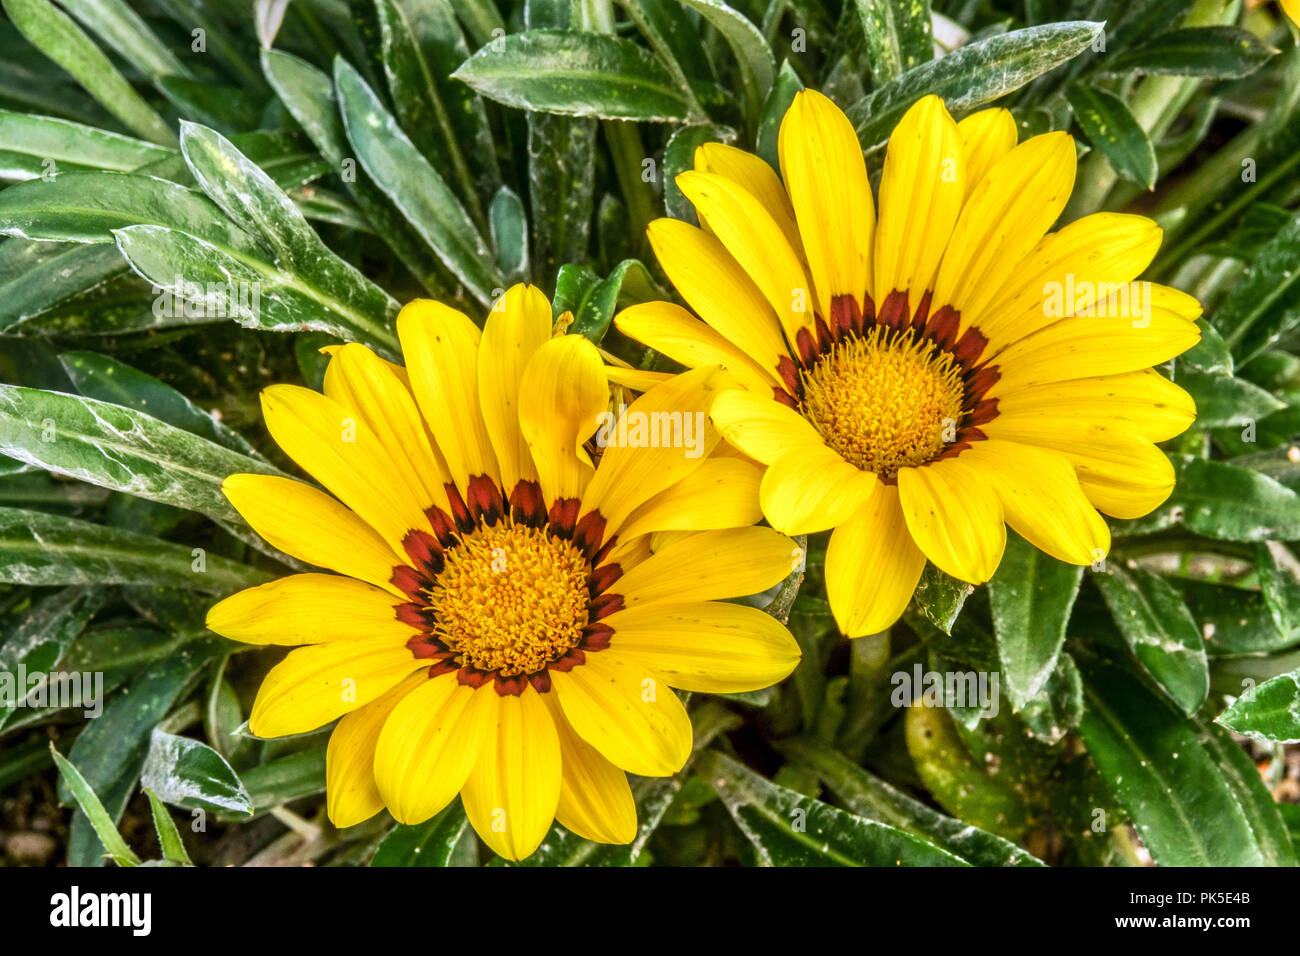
[919, 382]
[499, 625]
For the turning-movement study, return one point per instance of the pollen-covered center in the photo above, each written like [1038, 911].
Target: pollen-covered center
[885, 400]
[510, 599]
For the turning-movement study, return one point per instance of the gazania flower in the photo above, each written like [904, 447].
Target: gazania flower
[498, 623]
[919, 382]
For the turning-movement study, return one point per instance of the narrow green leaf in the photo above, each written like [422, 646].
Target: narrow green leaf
[275, 783]
[127, 35]
[679, 157]
[1112, 129]
[1231, 503]
[576, 74]
[1032, 595]
[898, 36]
[973, 75]
[63, 142]
[784, 88]
[757, 64]
[510, 234]
[940, 597]
[1223, 401]
[119, 448]
[414, 186]
[1270, 711]
[1160, 631]
[41, 637]
[36, 277]
[85, 797]
[1221, 52]
[439, 842]
[561, 195]
[789, 829]
[169, 838]
[46, 549]
[54, 33]
[1265, 303]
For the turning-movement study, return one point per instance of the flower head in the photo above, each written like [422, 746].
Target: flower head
[921, 381]
[506, 618]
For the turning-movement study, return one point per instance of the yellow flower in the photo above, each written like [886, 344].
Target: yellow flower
[920, 382]
[499, 624]
[1292, 9]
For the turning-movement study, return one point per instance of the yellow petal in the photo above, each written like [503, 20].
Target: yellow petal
[872, 566]
[316, 684]
[955, 517]
[1124, 475]
[429, 745]
[516, 327]
[721, 493]
[627, 712]
[344, 455]
[670, 329]
[711, 566]
[1144, 403]
[308, 524]
[757, 243]
[350, 792]
[921, 192]
[513, 791]
[361, 381]
[1068, 270]
[636, 379]
[595, 799]
[812, 489]
[718, 289]
[821, 161]
[762, 427]
[1042, 499]
[711, 647]
[1007, 213]
[308, 609]
[441, 349]
[563, 393]
[986, 136]
[752, 174]
[678, 438]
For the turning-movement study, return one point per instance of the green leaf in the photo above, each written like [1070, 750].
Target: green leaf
[46, 549]
[54, 33]
[1231, 503]
[42, 138]
[278, 781]
[442, 841]
[789, 829]
[108, 380]
[119, 448]
[1109, 125]
[1234, 620]
[1265, 303]
[413, 186]
[90, 804]
[36, 277]
[509, 225]
[560, 194]
[748, 46]
[1175, 791]
[679, 156]
[596, 308]
[940, 597]
[898, 36]
[866, 795]
[42, 636]
[188, 773]
[973, 75]
[127, 35]
[1221, 52]
[1160, 631]
[1031, 595]
[784, 88]
[576, 74]
[1270, 711]
[1223, 401]
[169, 838]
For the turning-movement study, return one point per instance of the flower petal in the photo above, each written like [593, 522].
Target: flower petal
[516, 327]
[308, 609]
[429, 745]
[595, 798]
[1144, 403]
[627, 713]
[563, 392]
[711, 647]
[514, 788]
[308, 524]
[811, 489]
[752, 174]
[710, 566]
[762, 427]
[823, 168]
[721, 493]
[316, 684]
[872, 566]
[670, 329]
[350, 792]
[986, 136]
[955, 517]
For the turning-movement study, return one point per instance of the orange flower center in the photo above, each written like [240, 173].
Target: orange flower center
[885, 400]
[510, 598]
